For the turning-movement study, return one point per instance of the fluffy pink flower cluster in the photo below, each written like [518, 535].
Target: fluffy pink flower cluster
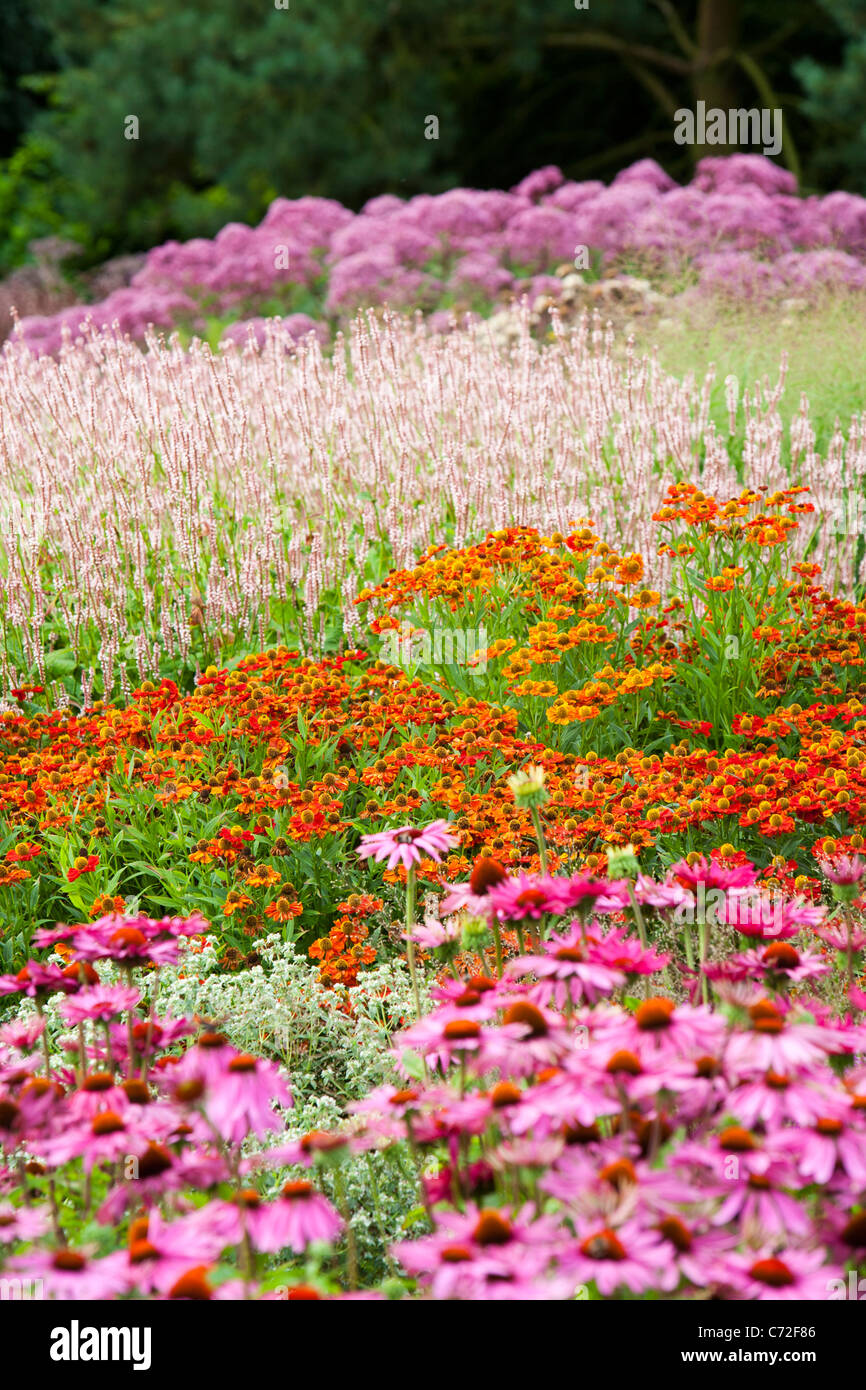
[740, 221]
[150, 1128]
[649, 1147]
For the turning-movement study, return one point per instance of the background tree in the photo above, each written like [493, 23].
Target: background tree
[237, 101]
[836, 98]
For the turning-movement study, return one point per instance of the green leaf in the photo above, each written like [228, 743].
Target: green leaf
[60, 663]
[413, 1065]
[413, 1218]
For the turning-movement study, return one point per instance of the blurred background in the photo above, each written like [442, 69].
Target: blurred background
[238, 101]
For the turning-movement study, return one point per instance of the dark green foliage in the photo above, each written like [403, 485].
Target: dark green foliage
[238, 101]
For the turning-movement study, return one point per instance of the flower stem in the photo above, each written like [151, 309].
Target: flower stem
[497, 941]
[46, 1051]
[351, 1250]
[377, 1211]
[410, 944]
[539, 835]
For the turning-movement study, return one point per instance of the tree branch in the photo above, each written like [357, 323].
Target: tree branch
[785, 31]
[767, 96]
[677, 28]
[654, 85]
[642, 52]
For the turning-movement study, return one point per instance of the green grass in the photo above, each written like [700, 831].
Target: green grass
[826, 346]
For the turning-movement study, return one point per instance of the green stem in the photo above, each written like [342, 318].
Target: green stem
[46, 1051]
[351, 1249]
[638, 917]
[410, 944]
[539, 835]
[377, 1211]
[497, 941]
[703, 944]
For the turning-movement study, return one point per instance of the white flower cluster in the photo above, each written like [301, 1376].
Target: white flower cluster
[280, 1008]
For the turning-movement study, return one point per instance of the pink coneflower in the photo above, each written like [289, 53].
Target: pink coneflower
[836, 934]
[569, 971]
[130, 940]
[774, 1044]
[779, 962]
[711, 874]
[509, 1275]
[595, 1182]
[477, 996]
[23, 1032]
[630, 1257]
[581, 892]
[751, 1177]
[34, 1105]
[616, 900]
[49, 936]
[70, 1275]
[21, 1223]
[470, 1251]
[193, 925]
[661, 896]
[640, 1075]
[527, 1153]
[432, 934]
[567, 1100]
[775, 1097]
[15, 1066]
[160, 1252]
[841, 1032]
[846, 1236]
[193, 1167]
[526, 897]
[298, 1217]
[761, 1199]
[151, 1035]
[781, 1275]
[530, 1037]
[102, 1090]
[37, 981]
[474, 896]
[205, 1061]
[397, 1101]
[240, 1101]
[303, 1150]
[104, 1137]
[441, 1037]
[845, 869]
[692, 1254]
[495, 1265]
[102, 1002]
[829, 1144]
[408, 845]
[658, 1026]
[473, 1180]
[768, 916]
[460, 898]
[620, 950]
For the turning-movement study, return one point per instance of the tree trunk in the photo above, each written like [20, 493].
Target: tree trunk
[715, 78]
